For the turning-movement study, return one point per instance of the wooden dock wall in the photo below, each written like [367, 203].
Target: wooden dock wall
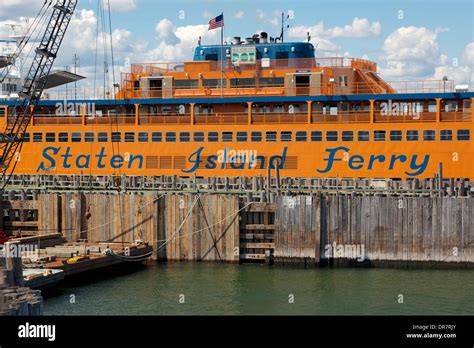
[402, 229]
[197, 227]
[225, 227]
[297, 229]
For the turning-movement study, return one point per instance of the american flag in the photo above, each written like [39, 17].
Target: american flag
[216, 22]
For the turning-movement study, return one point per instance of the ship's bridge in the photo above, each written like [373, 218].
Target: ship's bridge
[248, 53]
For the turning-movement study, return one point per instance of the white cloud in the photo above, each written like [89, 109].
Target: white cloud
[322, 37]
[360, 27]
[459, 70]
[177, 43]
[122, 5]
[239, 14]
[413, 53]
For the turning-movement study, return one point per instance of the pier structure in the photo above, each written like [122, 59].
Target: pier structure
[260, 219]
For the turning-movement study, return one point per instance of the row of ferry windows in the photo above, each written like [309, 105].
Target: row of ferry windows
[270, 136]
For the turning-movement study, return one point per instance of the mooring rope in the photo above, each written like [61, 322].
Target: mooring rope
[208, 227]
[181, 225]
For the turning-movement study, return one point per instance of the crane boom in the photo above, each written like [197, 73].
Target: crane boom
[34, 83]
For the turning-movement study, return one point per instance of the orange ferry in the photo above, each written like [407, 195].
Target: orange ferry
[238, 109]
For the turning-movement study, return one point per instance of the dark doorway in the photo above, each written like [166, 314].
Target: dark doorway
[302, 84]
[156, 87]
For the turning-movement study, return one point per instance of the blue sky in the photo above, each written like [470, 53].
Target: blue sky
[409, 39]
[457, 16]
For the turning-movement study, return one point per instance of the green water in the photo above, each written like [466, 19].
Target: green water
[255, 289]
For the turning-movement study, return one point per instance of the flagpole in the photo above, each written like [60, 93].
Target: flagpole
[222, 55]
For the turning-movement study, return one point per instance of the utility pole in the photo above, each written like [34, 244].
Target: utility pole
[75, 62]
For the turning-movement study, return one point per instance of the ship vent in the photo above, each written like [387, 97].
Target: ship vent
[166, 162]
[151, 162]
[291, 162]
[180, 162]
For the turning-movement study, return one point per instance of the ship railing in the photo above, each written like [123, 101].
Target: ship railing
[328, 88]
[256, 117]
[145, 118]
[259, 64]
[222, 118]
[279, 117]
[341, 117]
[67, 119]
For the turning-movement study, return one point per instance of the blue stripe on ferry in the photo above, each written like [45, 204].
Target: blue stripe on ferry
[267, 99]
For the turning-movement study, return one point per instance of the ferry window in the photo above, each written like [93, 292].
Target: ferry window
[156, 137]
[242, 136]
[333, 110]
[116, 137]
[256, 136]
[264, 108]
[446, 134]
[246, 83]
[227, 136]
[379, 135]
[464, 134]
[451, 106]
[429, 135]
[343, 80]
[50, 137]
[212, 56]
[347, 136]
[431, 106]
[142, 137]
[63, 137]
[285, 136]
[166, 110]
[185, 84]
[89, 137]
[271, 82]
[170, 137]
[37, 137]
[363, 135]
[293, 108]
[213, 136]
[199, 137]
[316, 136]
[412, 135]
[76, 137]
[129, 137]
[344, 106]
[207, 110]
[136, 85]
[246, 109]
[213, 83]
[301, 136]
[282, 58]
[331, 136]
[279, 108]
[271, 136]
[102, 137]
[185, 137]
[26, 137]
[396, 135]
